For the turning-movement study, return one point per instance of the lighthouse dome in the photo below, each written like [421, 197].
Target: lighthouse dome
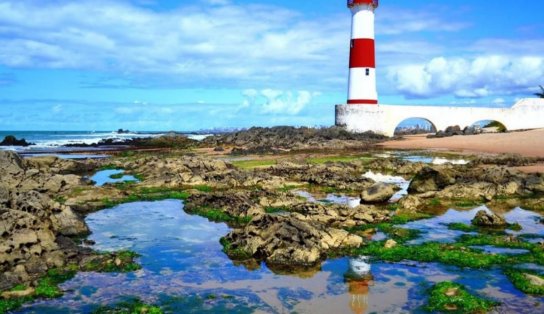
[352, 3]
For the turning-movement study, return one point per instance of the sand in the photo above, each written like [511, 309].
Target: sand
[526, 143]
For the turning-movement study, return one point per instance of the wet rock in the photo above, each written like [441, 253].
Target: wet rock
[534, 279]
[285, 240]
[378, 193]
[339, 216]
[432, 179]
[288, 138]
[389, 244]
[18, 294]
[68, 223]
[410, 204]
[11, 140]
[488, 219]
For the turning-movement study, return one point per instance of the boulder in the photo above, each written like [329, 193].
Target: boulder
[389, 244]
[534, 279]
[378, 193]
[488, 219]
[410, 204]
[11, 140]
[285, 240]
[432, 179]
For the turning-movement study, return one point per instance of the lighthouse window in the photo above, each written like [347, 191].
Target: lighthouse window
[367, 72]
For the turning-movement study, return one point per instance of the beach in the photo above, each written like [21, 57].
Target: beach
[526, 143]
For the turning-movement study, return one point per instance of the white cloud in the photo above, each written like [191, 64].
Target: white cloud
[272, 101]
[468, 78]
[210, 41]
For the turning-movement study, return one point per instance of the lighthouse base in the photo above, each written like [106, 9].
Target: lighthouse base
[384, 119]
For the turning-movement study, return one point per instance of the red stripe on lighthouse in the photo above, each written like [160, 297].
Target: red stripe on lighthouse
[362, 53]
[362, 102]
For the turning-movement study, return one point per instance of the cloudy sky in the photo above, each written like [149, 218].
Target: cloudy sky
[200, 64]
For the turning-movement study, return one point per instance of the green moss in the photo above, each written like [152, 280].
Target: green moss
[520, 281]
[466, 203]
[218, 215]
[146, 194]
[287, 188]
[462, 227]
[400, 235]
[435, 202]
[515, 227]
[133, 306]
[393, 207]
[451, 297]
[108, 167]
[121, 261]
[404, 218]
[344, 159]
[273, 210]
[204, 188]
[60, 199]
[234, 252]
[451, 254]
[117, 175]
[7, 305]
[252, 164]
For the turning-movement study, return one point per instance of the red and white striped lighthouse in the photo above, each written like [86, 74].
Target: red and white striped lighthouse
[362, 60]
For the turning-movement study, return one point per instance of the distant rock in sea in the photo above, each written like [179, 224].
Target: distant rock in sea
[11, 140]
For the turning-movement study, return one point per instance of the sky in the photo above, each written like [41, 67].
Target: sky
[203, 64]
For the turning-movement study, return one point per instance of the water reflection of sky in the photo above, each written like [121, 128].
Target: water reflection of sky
[104, 176]
[182, 259]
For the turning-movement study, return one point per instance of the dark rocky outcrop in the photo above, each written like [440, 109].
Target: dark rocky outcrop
[432, 179]
[31, 222]
[286, 240]
[488, 219]
[287, 138]
[11, 140]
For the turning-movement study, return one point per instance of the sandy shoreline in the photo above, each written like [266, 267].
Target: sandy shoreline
[526, 143]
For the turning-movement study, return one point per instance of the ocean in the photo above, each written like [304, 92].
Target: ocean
[55, 140]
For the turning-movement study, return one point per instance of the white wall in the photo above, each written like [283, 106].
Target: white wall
[383, 119]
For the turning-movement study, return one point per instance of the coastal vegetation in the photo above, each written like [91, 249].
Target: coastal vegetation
[450, 297]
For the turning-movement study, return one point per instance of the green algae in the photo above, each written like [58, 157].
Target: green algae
[47, 287]
[276, 209]
[520, 281]
[234, 252]
[133, 306]
[217, 215]
[462, 227]
[450, 297]
[450, 254]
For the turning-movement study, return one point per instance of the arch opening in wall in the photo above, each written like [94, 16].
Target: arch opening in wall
[489, 126]
[412, 126]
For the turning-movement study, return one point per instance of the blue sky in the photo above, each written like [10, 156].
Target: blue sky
[200, 64]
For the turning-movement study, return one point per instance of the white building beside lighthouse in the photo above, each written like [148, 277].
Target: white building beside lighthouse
[362, 112]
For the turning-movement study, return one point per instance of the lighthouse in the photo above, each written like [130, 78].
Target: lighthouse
[362, 60]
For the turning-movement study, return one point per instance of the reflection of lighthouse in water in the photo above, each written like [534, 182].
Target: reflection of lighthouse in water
[358, 279]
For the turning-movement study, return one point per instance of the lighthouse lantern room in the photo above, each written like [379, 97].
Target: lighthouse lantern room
[362, 61]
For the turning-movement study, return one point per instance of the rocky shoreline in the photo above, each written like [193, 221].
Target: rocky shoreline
[43, 201]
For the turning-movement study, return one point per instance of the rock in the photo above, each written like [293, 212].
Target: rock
[389, 244]
[410, 204]
[487, 219]
[67, 223]
[451, 292]
[285, 240]
[432, 179]
[18, 294]
[378, 193]
[339, 216]
[534, 279]
[11, 140]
